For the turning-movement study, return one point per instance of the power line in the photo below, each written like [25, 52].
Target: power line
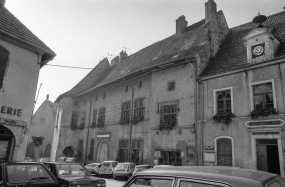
[68, 66]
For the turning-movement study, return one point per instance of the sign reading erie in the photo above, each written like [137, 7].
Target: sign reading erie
[10, 111]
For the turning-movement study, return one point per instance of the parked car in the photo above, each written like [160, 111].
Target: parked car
[124, 169]
[28, 159]
[45, 159]
[107, 168]
[93, 168]
[61, 159]
[74, 174]
[26, 174]
[204, 176]
[162, 166]
[141, 168]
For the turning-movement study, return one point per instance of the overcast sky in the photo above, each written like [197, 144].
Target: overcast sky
[82, 32]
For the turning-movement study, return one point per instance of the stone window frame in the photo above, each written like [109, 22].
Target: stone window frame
[233, 150]
[215, 91]
[252, 107]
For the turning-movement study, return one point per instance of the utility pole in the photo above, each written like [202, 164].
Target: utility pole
[131, 123]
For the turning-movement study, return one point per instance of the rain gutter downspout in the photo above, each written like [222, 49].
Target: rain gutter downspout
[85, 158]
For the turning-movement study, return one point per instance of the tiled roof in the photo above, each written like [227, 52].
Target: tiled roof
[12, 28]
[171, 48]
[233, 55]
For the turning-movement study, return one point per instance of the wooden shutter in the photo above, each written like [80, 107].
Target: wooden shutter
[3, 64]
[224, 152]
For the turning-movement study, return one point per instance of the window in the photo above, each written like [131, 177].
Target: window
[263, 96]
[136, 151]
[190, 154]
[80, 148]
[224, 152]
[91, 148]
[96, 98]
[140, 83]
[94, 116]
[200, 183]
[170, 158]
[171, 86]
[168, 114]
[125, 115]
[123, 150]
[76, 103]
[104, 95]
[48, 151]
[4, 56]
[101, 118]
[151, 182]
[74, 118]
[126, 88]
[83, 118]
[139, 108]
[224, 101]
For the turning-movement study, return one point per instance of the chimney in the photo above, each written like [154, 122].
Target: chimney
[210, 11]
[123, 55]
[181, 25]
[115, 60]
[2, 2]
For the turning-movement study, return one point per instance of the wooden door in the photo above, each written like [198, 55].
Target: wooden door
[103, 153]
[261, 157]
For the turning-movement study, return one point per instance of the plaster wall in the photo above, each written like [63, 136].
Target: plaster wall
[181, 136]
[241, 85]
[18, 92]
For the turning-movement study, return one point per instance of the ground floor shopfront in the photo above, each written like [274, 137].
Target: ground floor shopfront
[13, 138]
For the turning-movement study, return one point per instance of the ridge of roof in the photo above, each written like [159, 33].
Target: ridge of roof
[12, 28]
[233, 55]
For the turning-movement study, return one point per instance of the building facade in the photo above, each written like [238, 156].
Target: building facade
[242, 98]
[142, 107]
[41, 131]
[22, 55]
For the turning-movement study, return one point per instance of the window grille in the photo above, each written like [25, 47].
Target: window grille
[170, 158]
[168, 114]
[224, 152]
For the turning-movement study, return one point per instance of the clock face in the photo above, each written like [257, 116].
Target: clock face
[257, 50]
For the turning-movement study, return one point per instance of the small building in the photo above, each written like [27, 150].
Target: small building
[41, 131]
[22, 55]
[242, 106]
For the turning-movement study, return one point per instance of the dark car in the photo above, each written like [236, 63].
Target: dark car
[204, 176]
[26, 174]
[74, 174]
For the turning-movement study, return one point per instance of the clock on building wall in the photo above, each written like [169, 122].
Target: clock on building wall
[257, 50]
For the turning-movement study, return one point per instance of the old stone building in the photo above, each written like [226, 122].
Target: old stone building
[22, 55]
[242, 98]
[42, 129]
[141, 107]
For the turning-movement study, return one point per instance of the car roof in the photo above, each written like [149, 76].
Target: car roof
[230, 175]
[143, 165]
[126, 163]
[110, 161]
[62, 163]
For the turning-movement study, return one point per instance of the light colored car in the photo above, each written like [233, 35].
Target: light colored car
[124, 169]
[93, 168]
[107, 168]
[45, 159]
[204, 176]
[141, 168]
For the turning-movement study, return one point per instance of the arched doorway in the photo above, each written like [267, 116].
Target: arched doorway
[7, 142]
[31, 150]
[47, 151]
[103, 152]
[68, 152]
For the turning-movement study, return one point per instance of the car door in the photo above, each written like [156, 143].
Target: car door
[200, 183]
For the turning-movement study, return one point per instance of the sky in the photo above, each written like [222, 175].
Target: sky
[83, 32]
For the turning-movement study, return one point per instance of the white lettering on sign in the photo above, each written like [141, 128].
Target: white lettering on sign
[11, 111]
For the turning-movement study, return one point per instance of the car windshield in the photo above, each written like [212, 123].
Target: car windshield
[122, 166]
[25, 173]
[68, 170]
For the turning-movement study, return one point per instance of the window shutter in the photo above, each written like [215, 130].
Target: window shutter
[3, 64]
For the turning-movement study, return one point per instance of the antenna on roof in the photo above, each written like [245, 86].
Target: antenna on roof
[126, 49]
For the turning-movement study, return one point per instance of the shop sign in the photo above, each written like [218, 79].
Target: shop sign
[10, 111]
[13, 122]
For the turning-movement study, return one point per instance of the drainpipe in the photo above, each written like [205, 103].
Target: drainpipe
[85, 158]
[131, 123]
